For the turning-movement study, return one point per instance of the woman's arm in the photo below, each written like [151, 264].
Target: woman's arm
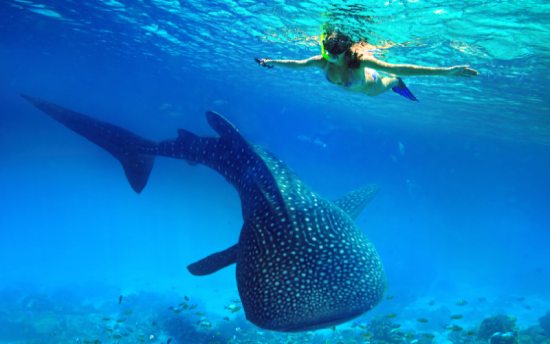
[315, 61]
[409, 69]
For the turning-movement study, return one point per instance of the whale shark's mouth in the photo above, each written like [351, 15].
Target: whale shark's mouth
[318, 322]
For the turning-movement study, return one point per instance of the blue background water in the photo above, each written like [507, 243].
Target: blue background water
[464, 204]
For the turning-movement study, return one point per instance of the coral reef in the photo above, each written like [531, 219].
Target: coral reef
[30, 317]
[504, 338]
[183, 330]
[383, 330]
[533, 335]
[499, 323]
[544, 322]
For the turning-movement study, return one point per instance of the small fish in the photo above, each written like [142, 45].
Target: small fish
[175, 309]
[127, 312]
[192, 307]
[481, 299]
[200, 314]
[120, 297]
[226, 318]
[521, 298]
[431, 303]
[233, 308]
[169, 340]
[121, 320]
[106, 318]
[391, 316]
[367, 335]
[428, 336]
[394, 326]
[390, 297]
[117, 336]
[470, 333]
[456, 316]
[454, 328]
[409, 336]
[527, 307]
[186, 299]
[422, 320]
[204, 324]
[461, 302]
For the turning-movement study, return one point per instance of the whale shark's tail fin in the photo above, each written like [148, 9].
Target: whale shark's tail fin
[135, 153]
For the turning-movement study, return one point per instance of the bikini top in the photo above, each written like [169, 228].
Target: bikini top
[352, 79]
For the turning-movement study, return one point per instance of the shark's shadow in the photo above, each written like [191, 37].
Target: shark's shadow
[301, 262]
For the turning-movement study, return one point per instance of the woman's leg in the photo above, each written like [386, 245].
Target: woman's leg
[381, 85]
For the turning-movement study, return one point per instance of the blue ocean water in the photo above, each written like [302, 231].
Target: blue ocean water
[461, 221]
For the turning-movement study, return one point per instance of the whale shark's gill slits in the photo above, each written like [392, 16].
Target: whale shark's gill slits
[256, 232]
[332, 224]
[263, 235]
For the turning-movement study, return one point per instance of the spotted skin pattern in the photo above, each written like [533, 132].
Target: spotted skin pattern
[301, 262]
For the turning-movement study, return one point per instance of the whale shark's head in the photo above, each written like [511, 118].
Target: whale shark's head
[315, 270]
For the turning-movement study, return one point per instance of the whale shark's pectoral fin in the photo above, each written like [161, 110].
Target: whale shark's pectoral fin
[214, 262]
[133, 151]
[354, 202]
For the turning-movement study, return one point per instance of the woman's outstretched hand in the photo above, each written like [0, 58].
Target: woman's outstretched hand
[465, 71]
[263, 62]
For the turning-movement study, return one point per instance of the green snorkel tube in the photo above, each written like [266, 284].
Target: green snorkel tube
[323, 50]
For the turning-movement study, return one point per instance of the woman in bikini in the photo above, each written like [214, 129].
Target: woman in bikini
[352, 65]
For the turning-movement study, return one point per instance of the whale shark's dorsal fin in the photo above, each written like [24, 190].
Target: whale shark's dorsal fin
[354, 202]
[214, 262]
[223, 127]
[267, 184]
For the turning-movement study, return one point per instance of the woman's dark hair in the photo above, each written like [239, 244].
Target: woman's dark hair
[337, 42]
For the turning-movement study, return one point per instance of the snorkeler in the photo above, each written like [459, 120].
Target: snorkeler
[353, 66]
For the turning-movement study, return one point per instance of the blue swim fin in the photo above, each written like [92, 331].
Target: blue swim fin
[403, 90]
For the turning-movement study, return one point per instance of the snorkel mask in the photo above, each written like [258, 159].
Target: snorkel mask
[324, 52]
[327, 55]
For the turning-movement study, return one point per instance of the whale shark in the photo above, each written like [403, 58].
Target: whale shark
[301, 261]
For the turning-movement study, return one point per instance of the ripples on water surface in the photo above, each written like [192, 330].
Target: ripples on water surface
[505, 40]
